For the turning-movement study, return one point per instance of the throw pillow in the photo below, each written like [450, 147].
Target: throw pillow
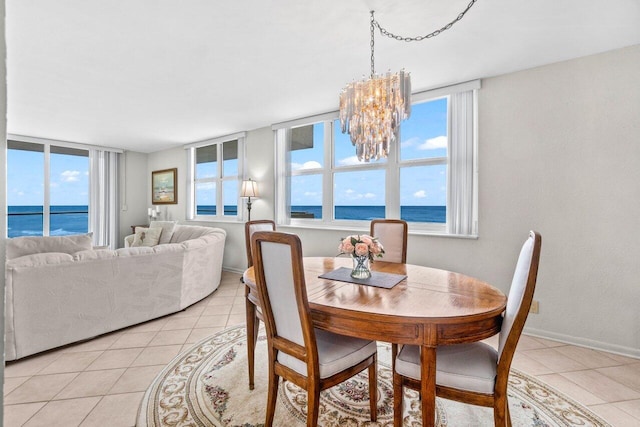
[167, 230]
[146, 236]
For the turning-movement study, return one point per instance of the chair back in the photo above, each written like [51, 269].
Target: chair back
[392, 233]
[279, 274]
[520, 298]
[251, 227]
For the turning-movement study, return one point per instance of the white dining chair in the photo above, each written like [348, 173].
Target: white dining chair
[476, 373]
[252, 304]
[311, 358]
[392, 234]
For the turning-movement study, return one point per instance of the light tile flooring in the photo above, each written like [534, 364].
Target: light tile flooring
[101, 382]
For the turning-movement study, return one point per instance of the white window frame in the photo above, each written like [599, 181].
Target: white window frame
[467, 209]
[219, 179]
[103, 225]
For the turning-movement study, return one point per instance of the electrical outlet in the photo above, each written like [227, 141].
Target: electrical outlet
[535, 307]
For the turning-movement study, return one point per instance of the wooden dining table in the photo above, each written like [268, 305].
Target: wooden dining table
[430, 307]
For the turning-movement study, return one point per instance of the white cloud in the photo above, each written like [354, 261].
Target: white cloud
[410, 142]
[348, 161]
[310, 193]
[354, 195]
[206, 186]
[306, 165]
[69, 176]
[434, 143]
[420, 194]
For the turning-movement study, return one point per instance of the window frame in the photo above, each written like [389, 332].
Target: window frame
[219, 179]
[92, 151]
[392, 167]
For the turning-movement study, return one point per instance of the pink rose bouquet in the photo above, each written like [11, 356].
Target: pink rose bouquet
[360, 245]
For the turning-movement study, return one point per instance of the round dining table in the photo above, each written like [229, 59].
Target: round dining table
[429, 307]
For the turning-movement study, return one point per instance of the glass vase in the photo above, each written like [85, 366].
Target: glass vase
[361, 267]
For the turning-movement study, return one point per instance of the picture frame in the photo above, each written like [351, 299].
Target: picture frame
[164, 189]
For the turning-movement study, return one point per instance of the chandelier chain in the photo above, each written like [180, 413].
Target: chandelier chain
[371, 110]
[373, 27]
[418, 38]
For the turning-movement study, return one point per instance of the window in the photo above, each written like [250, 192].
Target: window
[215, 173]
[428, 178]
[56, 188]
[47, 204]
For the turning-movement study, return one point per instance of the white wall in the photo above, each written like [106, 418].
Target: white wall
[3, 174]
[558, 153]
[135, 192]
[169, 159]
[259, 158]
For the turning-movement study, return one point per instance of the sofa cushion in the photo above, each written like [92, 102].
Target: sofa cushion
[146, 236]
[167, 230]
[39, 259]
[93, 254]
[21, 246]
[140, 250]
[183, 233]
[168, 248]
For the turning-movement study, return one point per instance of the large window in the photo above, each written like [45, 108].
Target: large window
[215, 173]
[47, 189]
[55, 188]
[428, 178]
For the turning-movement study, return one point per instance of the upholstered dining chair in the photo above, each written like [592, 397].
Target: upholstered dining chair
[476, 373]
[392, 233]
[308, 357]
[251, 300]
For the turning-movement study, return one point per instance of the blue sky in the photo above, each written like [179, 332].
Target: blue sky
[69, 179]
[423, 135]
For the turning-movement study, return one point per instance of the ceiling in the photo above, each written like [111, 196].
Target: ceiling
[147, 75]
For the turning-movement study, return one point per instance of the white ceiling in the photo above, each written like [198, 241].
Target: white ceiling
[147, 75]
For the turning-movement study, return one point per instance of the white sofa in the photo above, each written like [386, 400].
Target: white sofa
[60, 290]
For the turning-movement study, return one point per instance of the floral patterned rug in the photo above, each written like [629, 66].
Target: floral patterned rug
[207, 385]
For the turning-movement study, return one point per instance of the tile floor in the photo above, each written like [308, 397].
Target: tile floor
[101, 382]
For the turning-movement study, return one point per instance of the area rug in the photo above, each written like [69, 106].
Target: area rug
[207, 385]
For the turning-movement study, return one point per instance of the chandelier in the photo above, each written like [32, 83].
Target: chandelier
[371, 110]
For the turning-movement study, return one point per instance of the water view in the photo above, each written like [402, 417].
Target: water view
[63, 220]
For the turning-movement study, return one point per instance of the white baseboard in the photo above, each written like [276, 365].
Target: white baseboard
[234, 270]
[584, 342]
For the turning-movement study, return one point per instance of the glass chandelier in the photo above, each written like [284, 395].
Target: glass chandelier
[371, 110]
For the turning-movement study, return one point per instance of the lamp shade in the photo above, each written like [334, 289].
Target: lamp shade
[249, 188]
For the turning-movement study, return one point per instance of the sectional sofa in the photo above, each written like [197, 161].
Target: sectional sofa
[60, 290]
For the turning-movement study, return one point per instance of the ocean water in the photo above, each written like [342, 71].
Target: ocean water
[67, 219]
[436, 214]
[63, 220]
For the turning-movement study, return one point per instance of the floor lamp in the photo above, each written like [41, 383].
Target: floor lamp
[249, 190]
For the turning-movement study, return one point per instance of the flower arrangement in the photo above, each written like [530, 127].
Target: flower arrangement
[358, 245]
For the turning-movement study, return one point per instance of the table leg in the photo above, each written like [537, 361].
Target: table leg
[428, 385]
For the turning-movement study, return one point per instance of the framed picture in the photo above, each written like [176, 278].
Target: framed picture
[163, 187]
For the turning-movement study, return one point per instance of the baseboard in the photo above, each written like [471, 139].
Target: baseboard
[584, 342]
[233, 270]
